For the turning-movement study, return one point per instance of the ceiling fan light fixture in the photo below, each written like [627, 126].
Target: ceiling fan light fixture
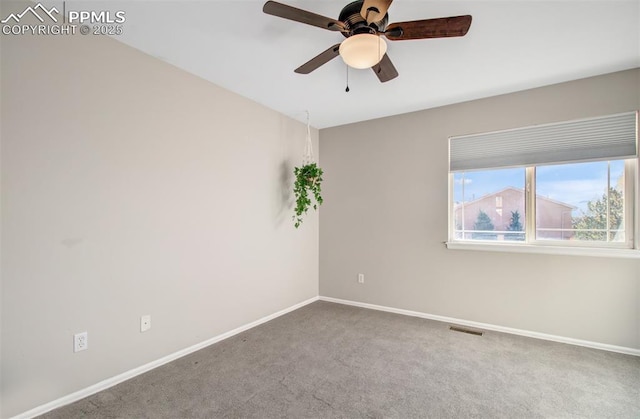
[363, 50]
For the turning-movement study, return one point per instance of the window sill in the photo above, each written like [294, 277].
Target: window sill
[547, 250]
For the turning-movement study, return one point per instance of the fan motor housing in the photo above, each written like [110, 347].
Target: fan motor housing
[353, 20]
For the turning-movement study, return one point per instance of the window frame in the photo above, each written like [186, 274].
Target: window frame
[531, 244]
[601, 138]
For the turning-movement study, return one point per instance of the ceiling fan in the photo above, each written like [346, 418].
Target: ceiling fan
[362, 23]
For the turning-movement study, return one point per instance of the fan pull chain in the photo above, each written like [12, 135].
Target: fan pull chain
[347, 89]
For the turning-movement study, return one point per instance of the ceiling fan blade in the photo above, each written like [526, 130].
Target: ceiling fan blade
[385, 69]
[374, 10]
[318, 60]
[303, 16]
[429, 28]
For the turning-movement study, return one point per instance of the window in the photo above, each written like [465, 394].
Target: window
[581, 202]
[485, 203]
[565, 184]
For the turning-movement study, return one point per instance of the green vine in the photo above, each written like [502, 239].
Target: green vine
[308, 179]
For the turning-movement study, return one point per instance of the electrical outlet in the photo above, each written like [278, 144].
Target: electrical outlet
[80, 341]
[360, 278]
[145, 323]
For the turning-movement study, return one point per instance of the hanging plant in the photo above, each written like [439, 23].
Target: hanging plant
[307, 183]
[308, 179]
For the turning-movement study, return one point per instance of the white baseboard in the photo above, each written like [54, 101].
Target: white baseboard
[486, 326]
[110, 382]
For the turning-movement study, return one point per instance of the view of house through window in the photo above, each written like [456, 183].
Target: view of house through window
[489, 204]
[578, 202]
[593, 194]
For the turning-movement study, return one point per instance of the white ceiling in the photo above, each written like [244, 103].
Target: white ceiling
[511, 45]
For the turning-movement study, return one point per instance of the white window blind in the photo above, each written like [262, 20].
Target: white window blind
[602, 138]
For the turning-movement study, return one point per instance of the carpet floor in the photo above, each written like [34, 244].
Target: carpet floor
[329, 360]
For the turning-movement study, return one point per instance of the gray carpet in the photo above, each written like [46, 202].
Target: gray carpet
[328, 360]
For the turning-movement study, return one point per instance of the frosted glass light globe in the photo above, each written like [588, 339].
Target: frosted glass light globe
[363, 51]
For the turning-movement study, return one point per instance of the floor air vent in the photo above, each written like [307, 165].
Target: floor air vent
[465, 330]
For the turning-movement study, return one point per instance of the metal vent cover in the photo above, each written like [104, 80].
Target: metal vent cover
[466, 330]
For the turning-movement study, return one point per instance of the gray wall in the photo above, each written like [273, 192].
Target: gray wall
[385, 215]
[130, 187]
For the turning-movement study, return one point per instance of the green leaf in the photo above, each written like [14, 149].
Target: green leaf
[308, 179]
